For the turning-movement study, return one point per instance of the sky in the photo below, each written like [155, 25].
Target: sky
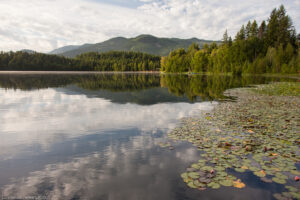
[43, 25]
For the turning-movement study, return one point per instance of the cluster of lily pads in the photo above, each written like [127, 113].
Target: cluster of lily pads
[257, 133]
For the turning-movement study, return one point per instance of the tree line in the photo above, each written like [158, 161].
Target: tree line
[272, 47]
[110, 61]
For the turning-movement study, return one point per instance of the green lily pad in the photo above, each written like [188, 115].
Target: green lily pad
[291, 188]
[214, 185]
[281, 176]
[193, 175]
[199, 184]
[296, 195]
[195, 166]
[191, 185]
[184, 175]
[239, 170]
[207, 168]
[226, 183]
[295, 172]
[260, 173]
[279, 180]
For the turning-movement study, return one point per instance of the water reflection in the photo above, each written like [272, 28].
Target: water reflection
[133, 168]
[47, 116]
[123, 169]
[144, 89]
[96, 136]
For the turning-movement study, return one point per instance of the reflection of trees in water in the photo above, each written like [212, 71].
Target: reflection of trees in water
[209, 87]
[193, 86]
[112, 82]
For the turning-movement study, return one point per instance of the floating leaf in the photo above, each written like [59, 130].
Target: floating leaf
[195, 166]
[281, 176]
[296, 195]
[184, 175]
[279, 180]
[194, 175]
[226, 182]
[260, 173]
[244, 167]
[214, 185]
[295, 172]
[239, 170]
[238, 184]
[291, 188]
[199, 184]
[191, 185]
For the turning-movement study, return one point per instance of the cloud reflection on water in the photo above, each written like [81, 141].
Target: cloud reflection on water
[47, 116]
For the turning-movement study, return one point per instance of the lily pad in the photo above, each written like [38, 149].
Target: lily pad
[191, 185]
[238, 184]
[279, 180]
[193, 175]
[226, 183]
[214, 185]
[260, 173]
[239, 170]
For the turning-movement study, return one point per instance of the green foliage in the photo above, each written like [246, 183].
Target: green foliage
[177, 61]
[110, 61]
[270, 48]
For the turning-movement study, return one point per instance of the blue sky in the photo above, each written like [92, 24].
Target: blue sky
[44, 25]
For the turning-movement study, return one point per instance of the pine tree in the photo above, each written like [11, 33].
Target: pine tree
[262, 30]
[248, 30]
[253, 29]
[225, 37]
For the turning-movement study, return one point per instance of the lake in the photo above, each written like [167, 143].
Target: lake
[98, 136]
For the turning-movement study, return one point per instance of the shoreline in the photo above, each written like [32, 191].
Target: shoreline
[79, 72]
[292, 76]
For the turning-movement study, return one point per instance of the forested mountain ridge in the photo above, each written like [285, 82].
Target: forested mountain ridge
[143, 43]
[271, 47]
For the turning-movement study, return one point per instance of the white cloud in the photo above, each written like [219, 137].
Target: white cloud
[43, 25]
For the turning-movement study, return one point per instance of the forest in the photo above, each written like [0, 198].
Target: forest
[110, 61]
[271, 47]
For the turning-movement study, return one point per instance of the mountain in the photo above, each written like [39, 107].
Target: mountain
[143, 43]
[28, 51]
[64, 49]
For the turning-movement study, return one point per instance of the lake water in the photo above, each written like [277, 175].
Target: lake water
[97, 136]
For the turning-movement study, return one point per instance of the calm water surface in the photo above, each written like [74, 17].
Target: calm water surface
[97, 136]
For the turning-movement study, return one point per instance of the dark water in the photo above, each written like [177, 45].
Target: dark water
[97, 136]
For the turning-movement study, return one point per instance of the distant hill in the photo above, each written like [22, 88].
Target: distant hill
[64, 49]
[28, 51]
[143, 43]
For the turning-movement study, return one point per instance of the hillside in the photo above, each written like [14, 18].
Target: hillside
[143, 43]
[64, 49]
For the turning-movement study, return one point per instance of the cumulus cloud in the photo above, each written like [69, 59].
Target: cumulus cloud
[43, 25]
